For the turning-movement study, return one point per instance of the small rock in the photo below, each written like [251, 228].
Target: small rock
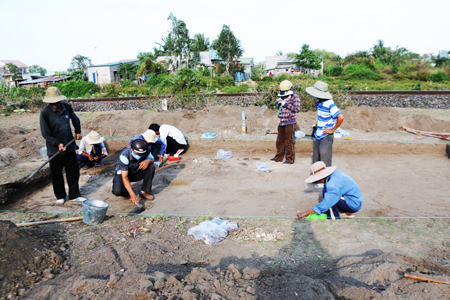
[215, 296]
[48, 274]
[160, 283]
[172, 281]
[37, 260]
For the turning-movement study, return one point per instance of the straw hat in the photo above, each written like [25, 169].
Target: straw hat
[319, 90]
[149, 136]
[319, 171]
[94, 138]
[53, 95]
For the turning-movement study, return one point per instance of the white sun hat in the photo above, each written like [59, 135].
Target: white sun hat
[319, 90]
[150, 136]
[94, 138]
[319, 171]
[53, 95]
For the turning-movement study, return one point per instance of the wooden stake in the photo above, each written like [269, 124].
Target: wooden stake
[425, 278]
[49, 221]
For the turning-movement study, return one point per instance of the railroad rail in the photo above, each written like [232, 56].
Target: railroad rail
[224, 95]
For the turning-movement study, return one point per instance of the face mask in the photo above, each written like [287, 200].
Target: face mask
[138, 157]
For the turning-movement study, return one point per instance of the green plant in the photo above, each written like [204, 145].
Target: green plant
[438, 77]
[359, 71]
[76, 88]
[335, 70]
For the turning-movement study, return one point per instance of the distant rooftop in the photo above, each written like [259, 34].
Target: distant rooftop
[116, 63]
[17, 63]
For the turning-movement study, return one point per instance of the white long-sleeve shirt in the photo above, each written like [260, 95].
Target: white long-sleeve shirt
[169, 130]
[86, 147]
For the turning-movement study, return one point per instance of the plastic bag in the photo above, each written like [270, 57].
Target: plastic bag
[262, 167]
[222, 154]
[212, 232]
[340, 133]
[299, 134]
[208, 135]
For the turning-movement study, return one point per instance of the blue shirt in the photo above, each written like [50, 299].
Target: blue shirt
[337, 185]
[327, 112]
[128, 163]
[152, 146]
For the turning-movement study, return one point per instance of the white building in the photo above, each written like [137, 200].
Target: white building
[107, 73]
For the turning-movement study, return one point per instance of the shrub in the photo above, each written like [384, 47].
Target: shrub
[236, 89]
[267, 78]
[255, 78]
[438, 77]
[335, 70]
[226, 80]
[77, 88]
[359, 71]
[420, 75]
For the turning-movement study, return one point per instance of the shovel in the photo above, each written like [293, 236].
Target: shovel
[20, 184]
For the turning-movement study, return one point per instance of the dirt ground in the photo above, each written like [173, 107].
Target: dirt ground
[402, 226]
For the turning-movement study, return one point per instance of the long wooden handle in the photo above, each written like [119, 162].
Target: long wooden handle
[49, 221]
[425, 278]
[48, 160]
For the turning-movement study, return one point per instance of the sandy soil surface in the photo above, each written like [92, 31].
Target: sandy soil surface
[150, 256]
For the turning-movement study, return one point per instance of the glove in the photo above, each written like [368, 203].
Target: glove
[157, 163]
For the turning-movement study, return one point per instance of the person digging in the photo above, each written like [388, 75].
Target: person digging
[92, 150]
[342, 197]
[134, 164]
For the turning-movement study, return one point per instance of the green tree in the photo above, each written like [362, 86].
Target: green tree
[178, 42]
[199, 43]
[228, 46]
[37, 69]
[127, 71]
[78, 75]
[379, 51]
[279, 53]
[79, 62]
[258, 69]
[307, 59]
[16, 73]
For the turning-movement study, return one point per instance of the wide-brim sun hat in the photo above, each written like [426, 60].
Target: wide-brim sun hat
[94, 138]
[319, 171]
[53, 95]
[149, 136]
[319, 90]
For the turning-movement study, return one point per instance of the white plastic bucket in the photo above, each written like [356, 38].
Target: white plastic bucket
[43, 153]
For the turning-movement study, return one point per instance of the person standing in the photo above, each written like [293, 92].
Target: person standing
[135, 163]
[92, 150]
[329, 118]
[288, 107]
[55, 121]
[172, 137]
[342, 197]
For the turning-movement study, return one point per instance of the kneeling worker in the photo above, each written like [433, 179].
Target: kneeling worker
[92, 150]
[135, 163]
[340, 193]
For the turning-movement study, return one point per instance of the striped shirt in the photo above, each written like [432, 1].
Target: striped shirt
[327, 112]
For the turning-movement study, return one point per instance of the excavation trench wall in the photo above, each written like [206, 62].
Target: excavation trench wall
[303, 147]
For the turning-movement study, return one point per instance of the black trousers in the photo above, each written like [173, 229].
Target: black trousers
[68, 162]
[173, 146]
[147, 174]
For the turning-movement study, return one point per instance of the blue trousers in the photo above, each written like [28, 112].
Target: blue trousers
[95, 152]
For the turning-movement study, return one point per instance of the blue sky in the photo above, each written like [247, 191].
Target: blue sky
[49, 33]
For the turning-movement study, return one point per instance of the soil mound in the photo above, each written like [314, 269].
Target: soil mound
[26, 258]
[24, 141]
[226, 121]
